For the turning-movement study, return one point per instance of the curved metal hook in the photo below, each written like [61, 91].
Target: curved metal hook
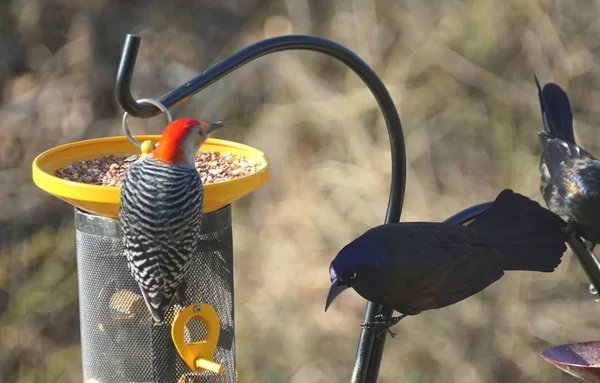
[367, 362]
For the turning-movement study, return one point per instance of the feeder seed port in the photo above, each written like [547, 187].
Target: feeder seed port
[197, 355]
[208, 365]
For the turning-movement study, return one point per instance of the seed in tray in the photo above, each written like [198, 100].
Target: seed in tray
[109, 170]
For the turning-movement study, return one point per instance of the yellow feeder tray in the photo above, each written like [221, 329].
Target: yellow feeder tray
[104, 200]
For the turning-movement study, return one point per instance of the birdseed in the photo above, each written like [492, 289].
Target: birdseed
[213, 167]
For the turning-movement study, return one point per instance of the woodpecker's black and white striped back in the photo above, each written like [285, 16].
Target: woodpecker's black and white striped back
[161, 216]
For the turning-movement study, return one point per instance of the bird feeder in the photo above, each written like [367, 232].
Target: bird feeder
[119, 340]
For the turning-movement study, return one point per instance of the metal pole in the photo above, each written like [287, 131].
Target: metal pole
[587, 259]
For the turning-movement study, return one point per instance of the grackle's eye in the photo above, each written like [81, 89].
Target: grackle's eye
[353, 276]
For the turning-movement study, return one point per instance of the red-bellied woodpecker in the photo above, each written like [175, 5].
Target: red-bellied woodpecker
[161, 212]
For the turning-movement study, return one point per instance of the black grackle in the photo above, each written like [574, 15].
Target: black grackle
[420, 266]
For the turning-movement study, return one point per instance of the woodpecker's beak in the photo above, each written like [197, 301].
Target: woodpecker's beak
[214, 126]
[336, 289]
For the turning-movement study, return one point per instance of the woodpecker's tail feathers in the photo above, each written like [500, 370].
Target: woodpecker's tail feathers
[157, 302]
[557, 115]
[529, 236]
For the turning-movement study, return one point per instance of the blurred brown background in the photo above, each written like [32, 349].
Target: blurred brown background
[461, 74]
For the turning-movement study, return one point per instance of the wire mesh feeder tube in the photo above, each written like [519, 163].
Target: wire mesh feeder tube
[119, 342]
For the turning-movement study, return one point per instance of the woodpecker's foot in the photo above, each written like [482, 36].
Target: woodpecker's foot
[382, 323]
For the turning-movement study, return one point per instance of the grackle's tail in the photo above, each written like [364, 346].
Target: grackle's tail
[557, 115]
[529, 236]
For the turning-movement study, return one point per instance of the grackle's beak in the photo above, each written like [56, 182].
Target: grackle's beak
[214, 126]
[336, 289]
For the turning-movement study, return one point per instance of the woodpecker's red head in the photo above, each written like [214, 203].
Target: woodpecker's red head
[182, 139]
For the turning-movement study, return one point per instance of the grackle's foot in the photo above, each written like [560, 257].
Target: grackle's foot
[570, 229]
[382, 323]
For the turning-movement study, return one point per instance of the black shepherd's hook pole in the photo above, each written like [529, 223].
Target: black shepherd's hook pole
[370, 348]
[588, 261]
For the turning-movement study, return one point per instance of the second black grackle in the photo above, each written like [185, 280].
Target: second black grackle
[570, 176]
